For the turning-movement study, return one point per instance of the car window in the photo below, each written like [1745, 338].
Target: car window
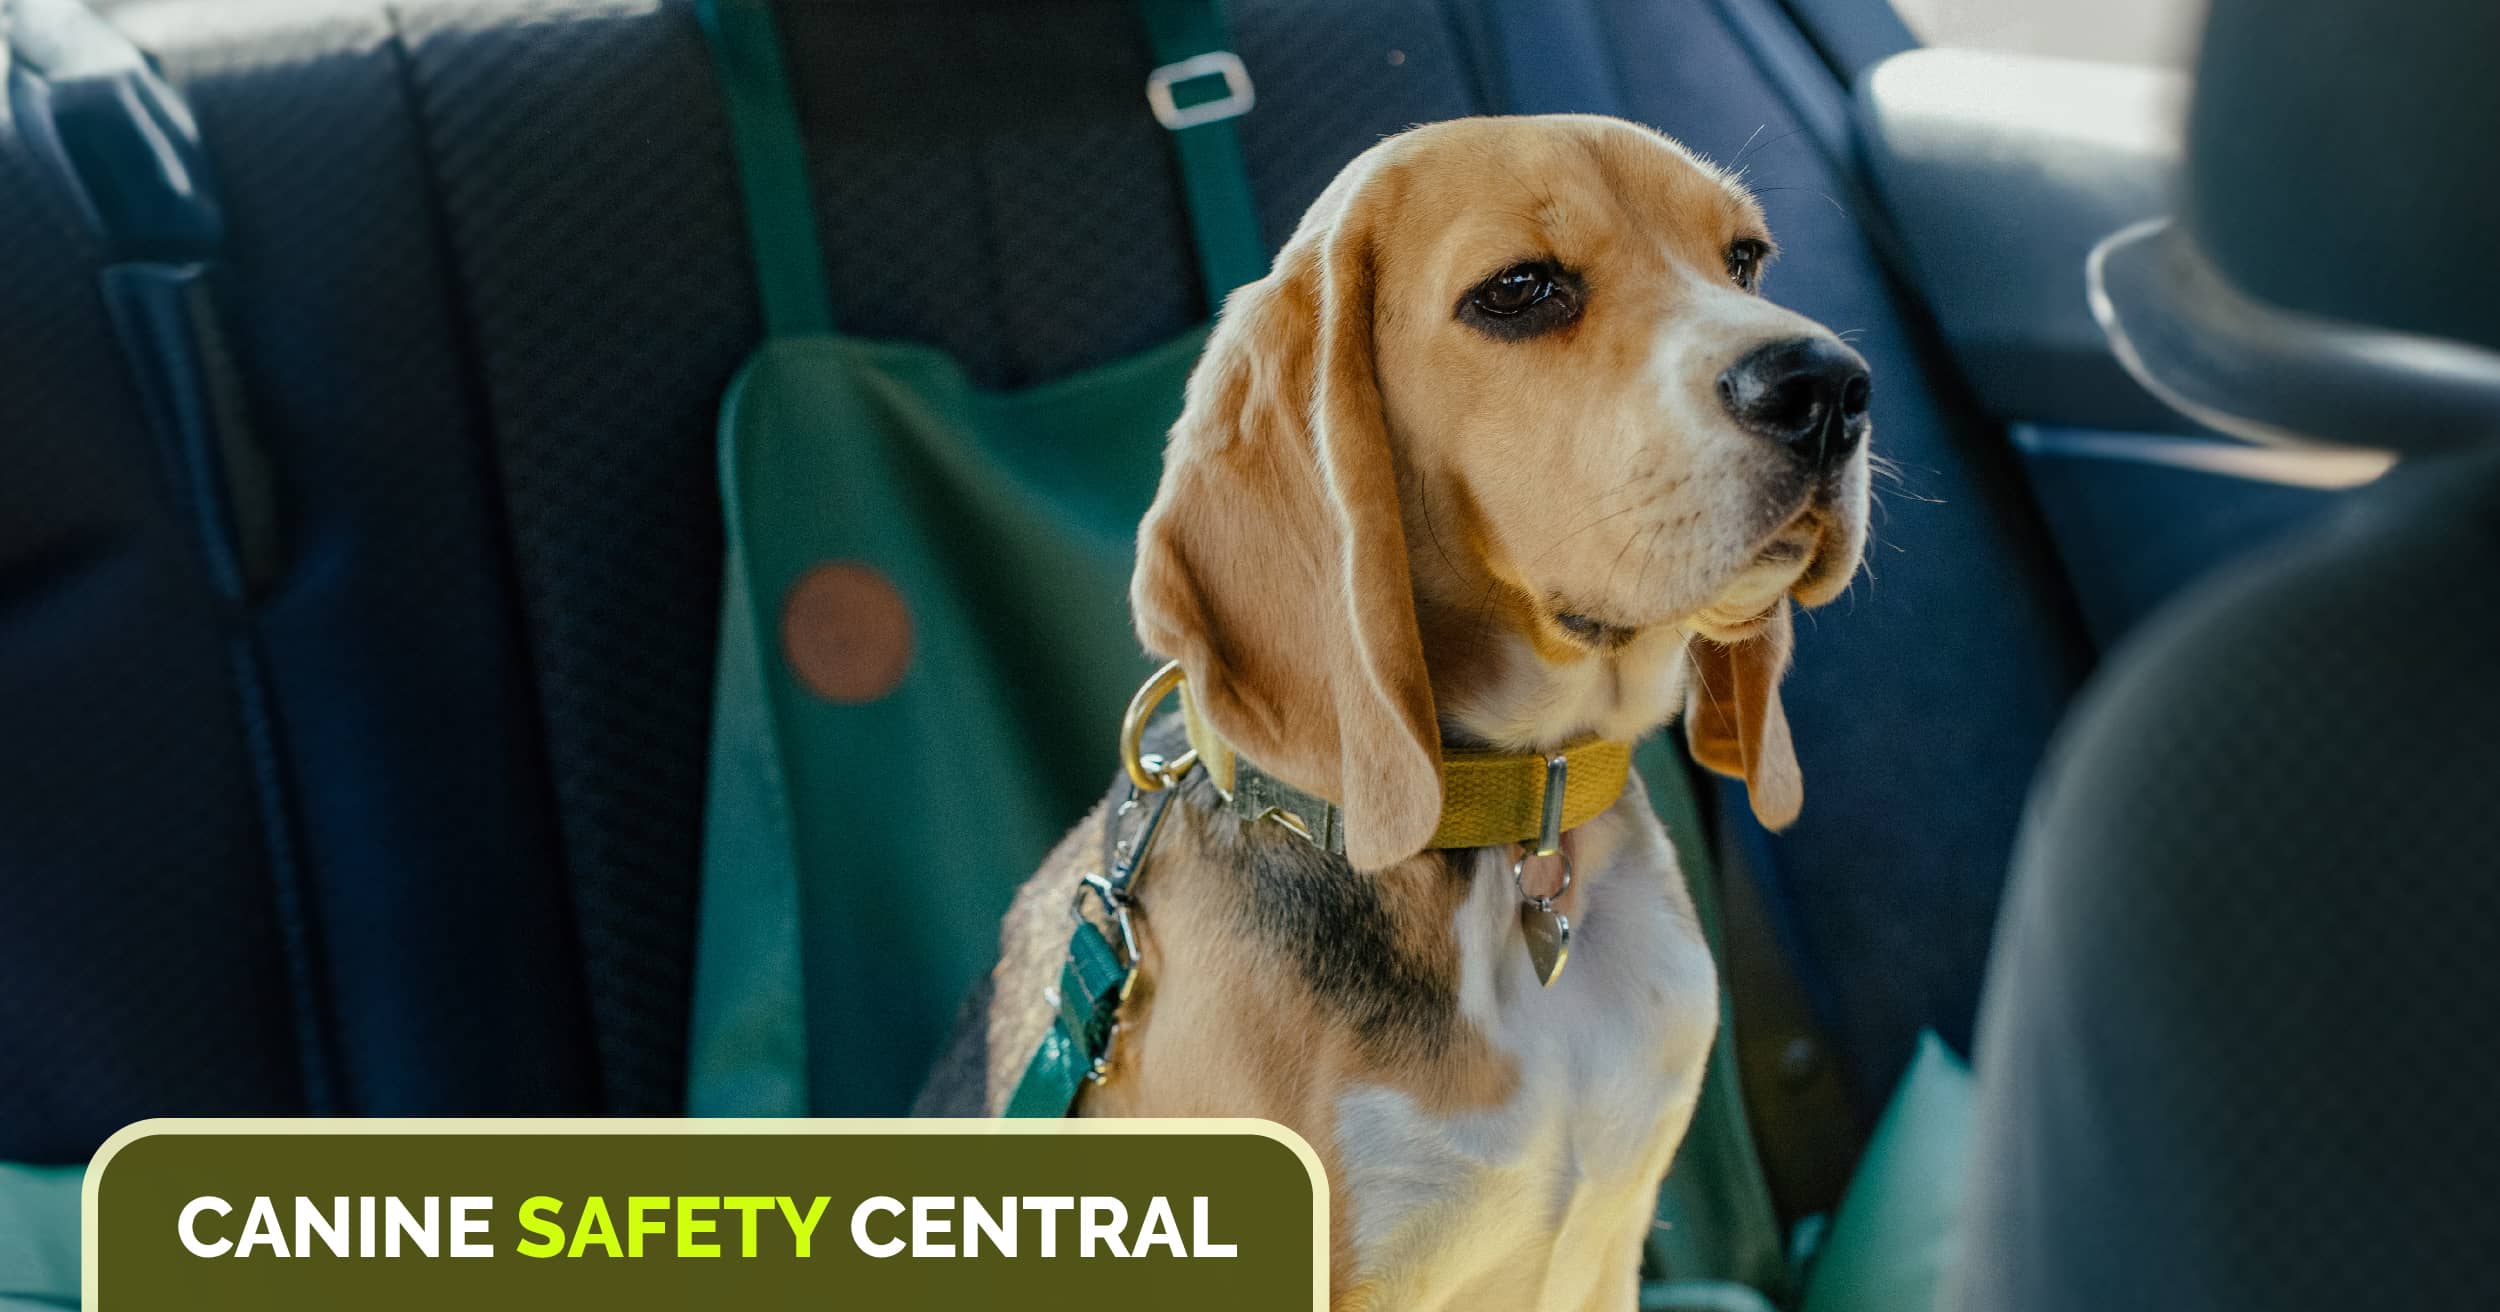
[2125, 31]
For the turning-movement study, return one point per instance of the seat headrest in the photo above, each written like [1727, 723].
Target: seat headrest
[2333, 276]
[2344, 160]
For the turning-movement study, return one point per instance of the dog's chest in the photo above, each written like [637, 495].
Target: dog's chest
[1542, 1200]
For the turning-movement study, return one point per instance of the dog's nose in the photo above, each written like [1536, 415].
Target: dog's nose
[1806, 393]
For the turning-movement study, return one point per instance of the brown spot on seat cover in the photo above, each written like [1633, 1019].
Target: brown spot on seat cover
[846, 632]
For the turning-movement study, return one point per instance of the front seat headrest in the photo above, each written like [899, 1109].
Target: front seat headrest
[2333, 277]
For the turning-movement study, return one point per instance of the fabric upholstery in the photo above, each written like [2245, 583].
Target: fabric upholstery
[2230, 1052]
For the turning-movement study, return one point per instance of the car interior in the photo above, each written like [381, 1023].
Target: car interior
[362, 558]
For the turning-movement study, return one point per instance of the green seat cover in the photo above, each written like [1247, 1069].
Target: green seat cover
[890, 834]
[859, 853]
[1899, 1227]
[39, 1236]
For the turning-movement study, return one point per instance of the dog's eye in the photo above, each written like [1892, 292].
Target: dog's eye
[1515, 290]
[1744, 261]
[1522, 301]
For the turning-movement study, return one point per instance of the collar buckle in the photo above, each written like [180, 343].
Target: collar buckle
[1258, 795]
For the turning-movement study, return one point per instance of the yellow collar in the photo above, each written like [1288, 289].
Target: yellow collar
[1488, 799]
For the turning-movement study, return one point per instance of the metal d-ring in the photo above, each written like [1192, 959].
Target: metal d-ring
[1519, 882]
[1152, 774]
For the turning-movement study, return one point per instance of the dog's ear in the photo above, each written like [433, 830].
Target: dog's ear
[1733, 719]
[1272, 565]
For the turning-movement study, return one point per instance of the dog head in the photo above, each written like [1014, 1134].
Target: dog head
[1508, 449]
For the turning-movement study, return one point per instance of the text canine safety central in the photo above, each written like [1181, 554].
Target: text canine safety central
[696, 1226]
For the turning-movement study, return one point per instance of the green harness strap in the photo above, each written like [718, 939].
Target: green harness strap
[1079, 1041]
[1095, 979]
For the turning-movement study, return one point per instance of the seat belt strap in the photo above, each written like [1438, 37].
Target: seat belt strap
[130, 152]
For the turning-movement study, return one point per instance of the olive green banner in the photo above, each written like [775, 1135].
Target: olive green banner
[887, 1215]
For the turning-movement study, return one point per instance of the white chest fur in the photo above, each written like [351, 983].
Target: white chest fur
[1543, 1202]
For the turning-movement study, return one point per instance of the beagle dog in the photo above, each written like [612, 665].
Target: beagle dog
[1507, 454]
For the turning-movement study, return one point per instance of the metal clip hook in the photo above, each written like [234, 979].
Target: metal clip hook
[1549, 834]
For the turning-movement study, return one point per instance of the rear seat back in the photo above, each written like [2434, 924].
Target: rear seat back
[403, 705]
[488, 279]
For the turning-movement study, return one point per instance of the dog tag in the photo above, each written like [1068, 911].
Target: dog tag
[1549, 939]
